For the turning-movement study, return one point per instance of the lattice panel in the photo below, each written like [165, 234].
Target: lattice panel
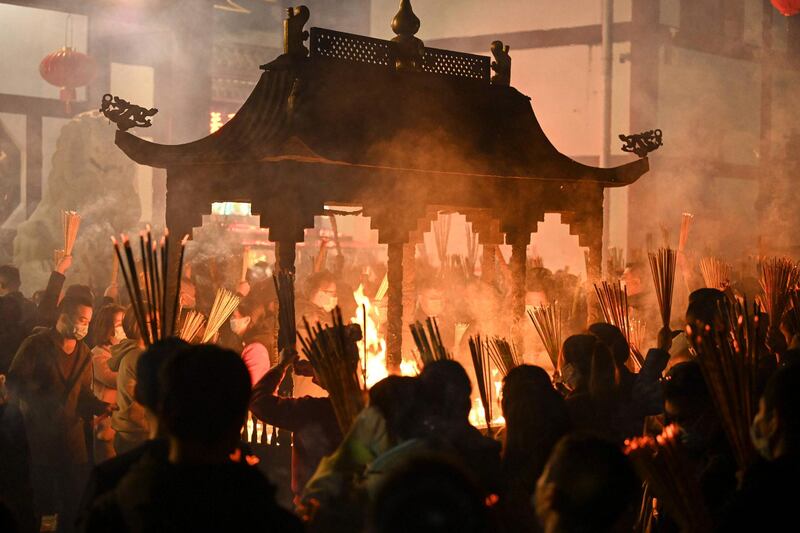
[361, 49]
[339, 45]
[458, 64]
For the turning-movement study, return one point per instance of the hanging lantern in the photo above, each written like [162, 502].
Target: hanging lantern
[787, 7]
[67, 69]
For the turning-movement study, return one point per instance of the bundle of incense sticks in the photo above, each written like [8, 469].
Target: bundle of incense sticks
[70, 223]
[728, 354]
[441, 234]
[547, 321]
[662, 266]
[382, 288]
[333, 355]
[287, 326]
[147, 289]
[193, 322]
[616, 262]
[613, 299]
[429, 345]
[716, 273]
[504, 355]
[636, 340]
[225, 303]
[663, 463]
[483, 376]
[778, 276]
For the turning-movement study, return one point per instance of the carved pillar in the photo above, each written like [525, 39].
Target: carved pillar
[488, 229]
[285, 254]
[394, 312]
[409, 294]
[518, 265]
[588, 225]
[183, 214]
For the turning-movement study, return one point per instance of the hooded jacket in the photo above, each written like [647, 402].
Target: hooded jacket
[129, 420]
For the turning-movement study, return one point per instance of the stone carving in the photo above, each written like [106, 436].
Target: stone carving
[93, 177]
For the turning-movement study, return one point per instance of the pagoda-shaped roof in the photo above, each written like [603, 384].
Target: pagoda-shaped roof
[347, 104]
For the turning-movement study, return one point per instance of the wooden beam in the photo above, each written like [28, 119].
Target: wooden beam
[42, 107]
[521, 40]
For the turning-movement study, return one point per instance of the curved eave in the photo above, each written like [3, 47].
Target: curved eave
[619, 176]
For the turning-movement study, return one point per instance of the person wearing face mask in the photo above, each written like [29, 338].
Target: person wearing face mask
[321, 298]
[248, 322]
[51, 379]
[106, 332]
[767, 497]
[128, 421]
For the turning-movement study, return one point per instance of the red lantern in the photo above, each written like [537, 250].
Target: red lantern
[787, 7]
[67, 69]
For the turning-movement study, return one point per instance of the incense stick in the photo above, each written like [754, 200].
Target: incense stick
[193, 322]
[716, 273]
[547, 321]
[504, 355]
[613, 299]
[664, 464]
[728, 353]
[148, 297]
[662, 266]
[483, 377]
[441, 234]
[331, 351]
[225, 303]
[778, 276]
[429, 343]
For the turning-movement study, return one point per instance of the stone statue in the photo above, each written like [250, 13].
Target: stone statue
[501, 64]
[89, 175]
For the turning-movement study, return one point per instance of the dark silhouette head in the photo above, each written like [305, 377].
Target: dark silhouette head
[536, 418]
[205, 391]
[446, 389]
[587, 485]
[704, 306]
[686, 398]
[397, 398]
[614, 340]
[591, 362]
[778, 418]
[429, 495]
[149, 367]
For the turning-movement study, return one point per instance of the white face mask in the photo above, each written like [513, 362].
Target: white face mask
[72, 331]
[239, 325]
[119, 334]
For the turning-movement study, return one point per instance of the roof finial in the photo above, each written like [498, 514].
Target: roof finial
[410, 49]
[501, 64]
[293, 33]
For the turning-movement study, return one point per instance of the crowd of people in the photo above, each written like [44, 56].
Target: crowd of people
[99, 432]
